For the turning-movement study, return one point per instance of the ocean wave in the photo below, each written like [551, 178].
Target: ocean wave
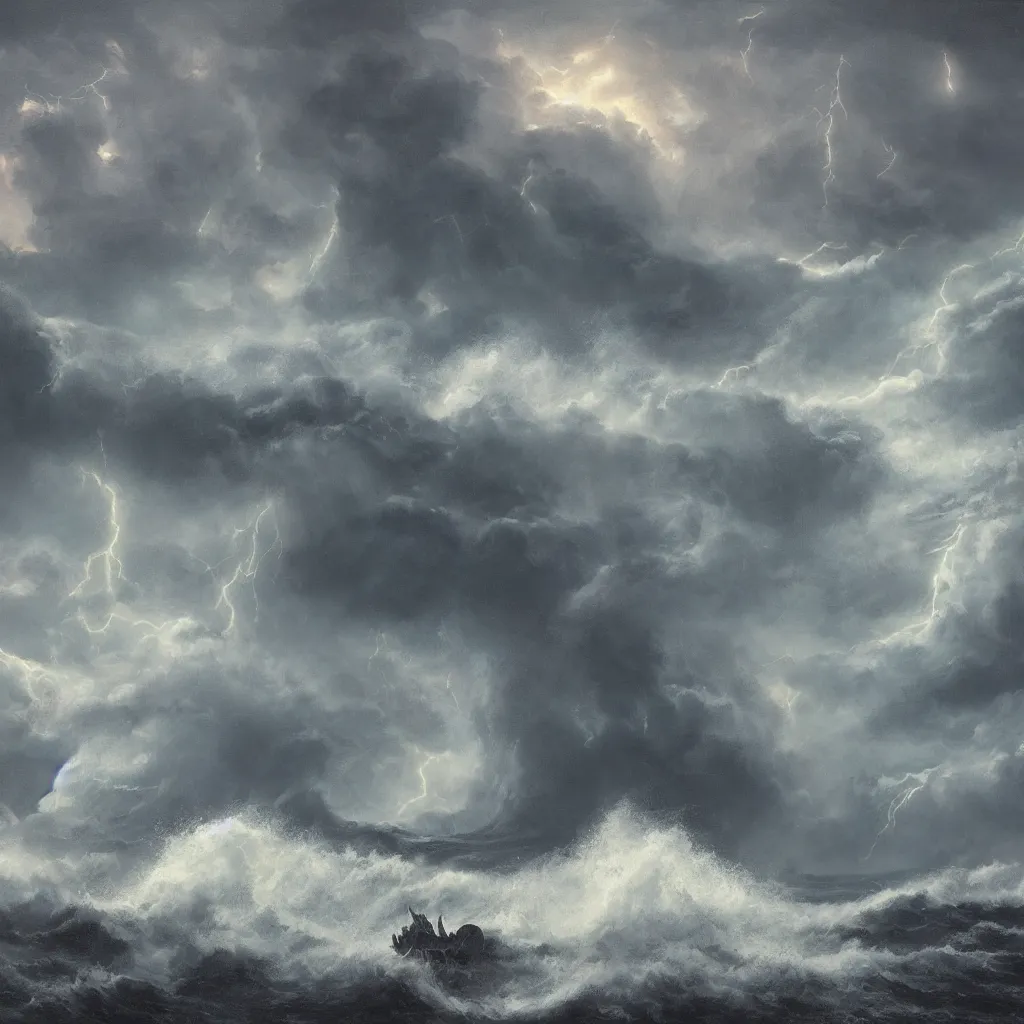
[634, 914]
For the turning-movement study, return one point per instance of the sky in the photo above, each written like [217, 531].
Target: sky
[444, 428]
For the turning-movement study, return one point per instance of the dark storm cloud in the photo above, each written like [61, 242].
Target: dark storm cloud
[955, 132]
[940, 707]
[536, 245]
[985, 381]
[771, 469]
[618, 173]
[173, 427]
[240, 753]
[105, 242]
[131, 147]
[606, 577]
[28, 766]
[319, 23]
[407, 538]
[583, 695]
[966, 812]
[984, 655]
[27, 371]
[593, 722]
[985, 26]
[27, 19]
[211, 743]
[863, 210]
[379, 551]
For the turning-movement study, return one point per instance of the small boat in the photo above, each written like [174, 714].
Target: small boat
[419, 940]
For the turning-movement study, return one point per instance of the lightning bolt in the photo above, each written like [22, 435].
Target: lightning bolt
[947, 306]
[828, 118]
[1015, 248]
[745, 54]
[522, 191]
[424, 791]
[111, 565]
[318, 257]
[91, 87]
[34, 100]
[52, 381]
[892, 159]
[82, 92]
[248, 569]
[943, 578]
[37, 679]
[732, 373]
[448, 687]
[929, 337]
[203, 222]
[932, 339]
[824, 247]
[950, 87]
[942, 582]
[28, 668]
[900, 801]
[106, 568]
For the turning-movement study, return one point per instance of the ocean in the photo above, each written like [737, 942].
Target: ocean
[240, 921]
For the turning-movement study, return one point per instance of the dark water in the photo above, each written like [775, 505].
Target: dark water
[933, 961]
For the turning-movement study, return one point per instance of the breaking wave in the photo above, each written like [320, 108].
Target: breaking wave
[244, 919]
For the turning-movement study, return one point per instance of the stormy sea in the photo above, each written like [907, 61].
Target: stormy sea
[511, 511]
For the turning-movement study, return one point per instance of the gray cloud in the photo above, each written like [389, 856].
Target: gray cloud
[29, 371]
